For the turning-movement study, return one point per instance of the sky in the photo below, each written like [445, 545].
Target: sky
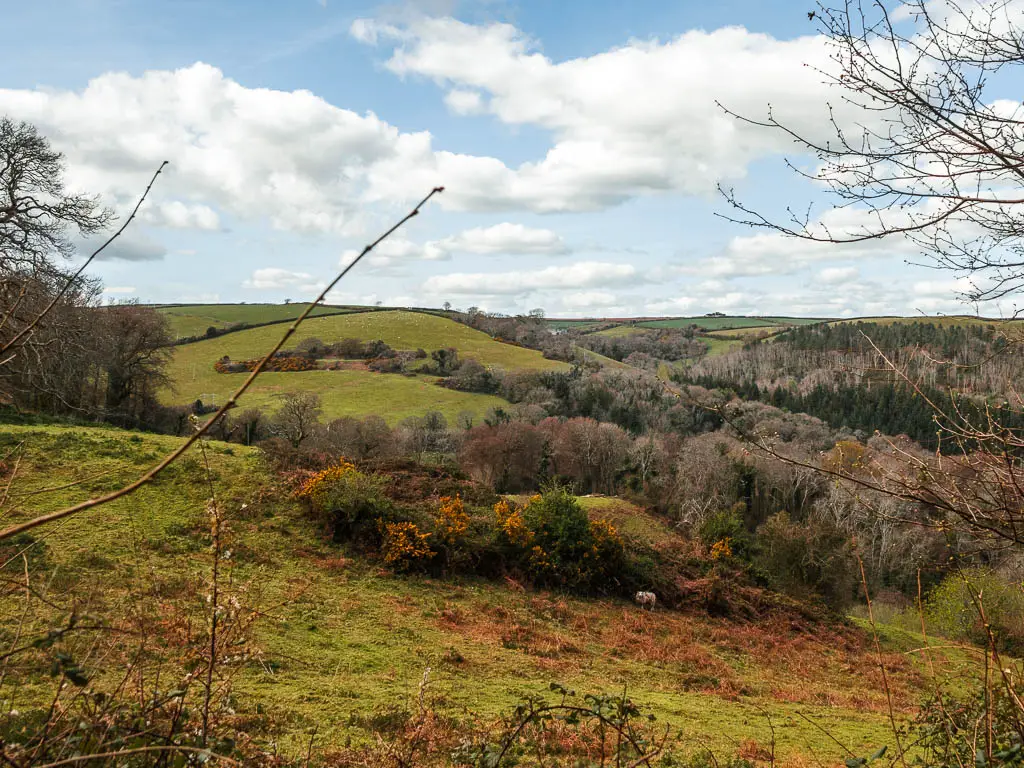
[579, 143]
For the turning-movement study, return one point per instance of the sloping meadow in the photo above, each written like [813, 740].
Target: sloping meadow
[328, 639]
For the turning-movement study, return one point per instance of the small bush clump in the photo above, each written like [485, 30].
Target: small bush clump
[727, 526]
[552, 538]
[351, 503]
[404, 546]
[275, 364]
[807, 559]
[451, 520]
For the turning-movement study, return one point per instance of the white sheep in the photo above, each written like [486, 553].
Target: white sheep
[646, 599]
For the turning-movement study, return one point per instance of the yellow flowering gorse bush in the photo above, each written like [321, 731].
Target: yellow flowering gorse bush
[315, 487]
[606, 538]
[511, 524]
[557, 543]
[404, 545]
[721, 549]
[451, 519]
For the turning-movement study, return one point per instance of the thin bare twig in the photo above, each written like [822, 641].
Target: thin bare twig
[215, 531]
[230, 403]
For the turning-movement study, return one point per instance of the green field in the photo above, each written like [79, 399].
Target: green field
[342, 393]
[194, 319]
[620, 331]
[717, 346]
[401, 330]
[575, 325]
[353, 392]
[745, 334]
[945, 321]
[725, 323]
[342, 641]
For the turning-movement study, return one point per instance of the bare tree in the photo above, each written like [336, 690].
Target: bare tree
[298, 417]
[937, 159]
[934, 156]
[38, 217]
[51, 369]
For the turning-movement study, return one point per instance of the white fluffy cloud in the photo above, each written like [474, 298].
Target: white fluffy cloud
[636, 119]
[507, 238]
[275, 278]
[679, 305]
[133, 245]
[504, 239]
[179, 215]
[589, 300]
[394, 251]
[287, 157]
[772, 253]
[584, 274]
[464, 102]
[837, 275]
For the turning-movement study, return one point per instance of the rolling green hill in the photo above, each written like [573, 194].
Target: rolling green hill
[576, 325]
[947, 321]
[400, 329]
[724, 323]
[748, 332]
[622, 330]
[194, 319]
[718, 346]
[342, 393]
[341, 643]
[350, 392]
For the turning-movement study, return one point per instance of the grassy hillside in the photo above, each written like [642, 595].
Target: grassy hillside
[194, 319]
[723, 323]
[399, 329]
[945, 321]
[576, 325]
[342, 393]
[607, 362]
[622, 330]
[342, 643]
[753, 332]
[718, 346]
[353, 392]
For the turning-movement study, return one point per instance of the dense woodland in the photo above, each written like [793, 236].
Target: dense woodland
[894, 378]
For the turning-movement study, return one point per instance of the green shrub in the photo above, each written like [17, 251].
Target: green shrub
[807, 559]
[946, 731]
[727, 525]
[557, 543]
[351, 503]
[952, 609]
